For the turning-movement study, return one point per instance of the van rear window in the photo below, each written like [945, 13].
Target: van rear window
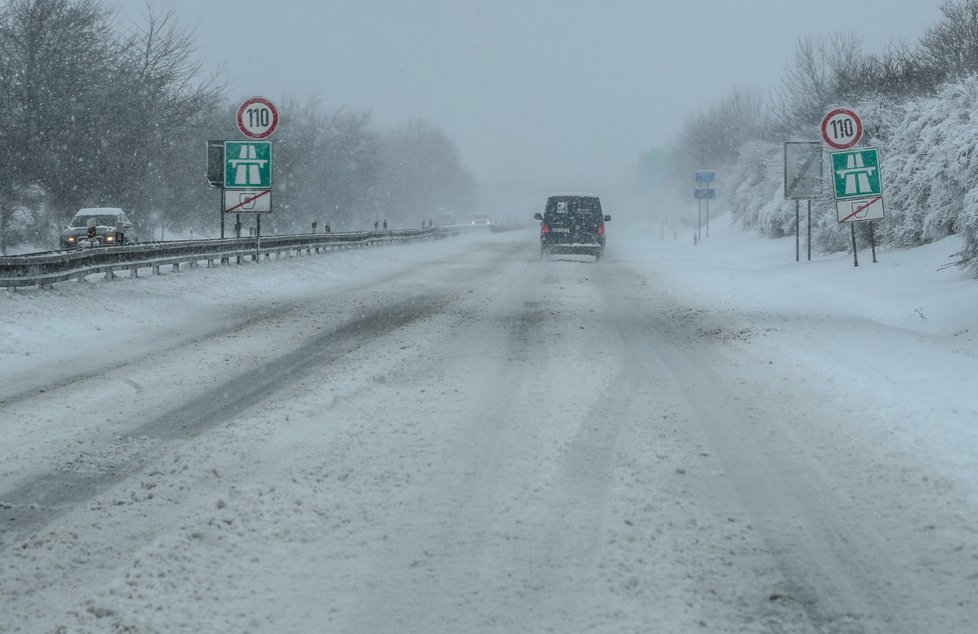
[573, 205]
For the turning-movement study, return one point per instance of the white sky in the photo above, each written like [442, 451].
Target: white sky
[567, 92]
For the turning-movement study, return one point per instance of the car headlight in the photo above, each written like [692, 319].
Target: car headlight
[70, 239]
[109, 237]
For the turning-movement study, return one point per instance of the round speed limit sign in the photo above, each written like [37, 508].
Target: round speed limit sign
[257, 118]
[842, 128]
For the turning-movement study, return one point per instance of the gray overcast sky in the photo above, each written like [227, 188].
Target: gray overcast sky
[566, 92]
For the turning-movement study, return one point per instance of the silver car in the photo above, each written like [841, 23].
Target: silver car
[96, 227]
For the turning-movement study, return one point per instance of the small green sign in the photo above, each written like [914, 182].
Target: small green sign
[247, 165]
[857, 174]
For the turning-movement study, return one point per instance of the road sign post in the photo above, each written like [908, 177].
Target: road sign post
[809, 242]
[704, 191]
[215, 172]
[856, 176]
[701, 194]
[243, 169]
[802, 180]
[858, 190]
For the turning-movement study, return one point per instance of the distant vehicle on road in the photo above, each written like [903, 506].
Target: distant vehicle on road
[96, 227]
[572, 224]
[481, 219]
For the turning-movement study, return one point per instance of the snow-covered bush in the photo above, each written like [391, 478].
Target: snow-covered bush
[757, 198]
[969, 230]
[929, 163]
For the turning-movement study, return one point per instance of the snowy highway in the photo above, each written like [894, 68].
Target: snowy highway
[459, 437]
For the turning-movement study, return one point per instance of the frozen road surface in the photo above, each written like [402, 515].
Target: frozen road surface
[460, 437]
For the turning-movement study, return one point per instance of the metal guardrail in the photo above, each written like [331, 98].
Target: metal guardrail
[45, 269]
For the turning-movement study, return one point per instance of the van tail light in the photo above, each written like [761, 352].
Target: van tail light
[544, 229]
[600, 230]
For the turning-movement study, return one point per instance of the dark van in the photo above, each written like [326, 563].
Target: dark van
[572, 224]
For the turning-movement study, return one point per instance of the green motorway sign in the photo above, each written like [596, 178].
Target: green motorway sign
[857, 174]
[247, 165]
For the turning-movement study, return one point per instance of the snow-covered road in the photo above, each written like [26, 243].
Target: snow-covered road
[458, 437]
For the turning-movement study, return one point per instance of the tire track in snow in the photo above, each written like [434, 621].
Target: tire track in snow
[833, 576]
[42, 499]
[398, 297]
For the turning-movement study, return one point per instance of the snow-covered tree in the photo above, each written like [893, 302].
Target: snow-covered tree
[421, 171]
[327, 164]
[54, 58]
[815, 80]
[951, 45]
[93, 116]
[713, 139]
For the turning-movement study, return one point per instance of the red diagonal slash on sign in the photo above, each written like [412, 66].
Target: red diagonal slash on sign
[248, 201]
[861, 209]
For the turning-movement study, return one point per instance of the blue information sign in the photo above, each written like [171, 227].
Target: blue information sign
[705, 192]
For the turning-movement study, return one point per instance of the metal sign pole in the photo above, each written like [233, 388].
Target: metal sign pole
[797, 230]
[699, 219]
[215, 175]
[802, 180]
[872, 240]
[809, 230]
[707, 217]
[855, 256]
[258, 238]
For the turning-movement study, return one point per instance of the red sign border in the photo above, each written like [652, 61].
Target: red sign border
[825, 125]
[239, 118]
